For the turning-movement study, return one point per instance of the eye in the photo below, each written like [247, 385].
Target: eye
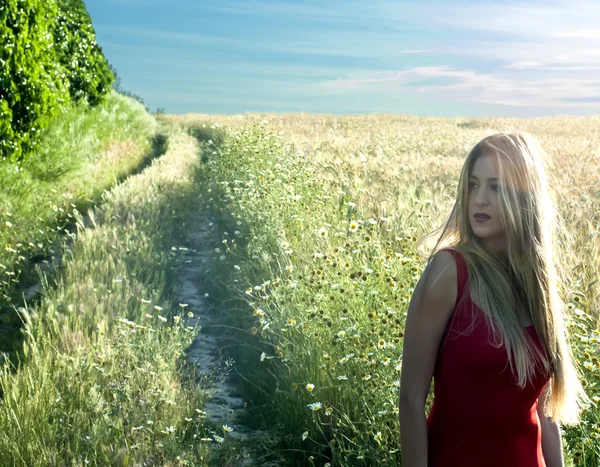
[473, 184]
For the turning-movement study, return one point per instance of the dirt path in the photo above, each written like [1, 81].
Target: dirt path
[224, 404]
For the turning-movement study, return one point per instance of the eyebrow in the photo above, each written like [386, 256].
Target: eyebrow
[494, 179]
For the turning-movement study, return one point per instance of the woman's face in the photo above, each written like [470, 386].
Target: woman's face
[484, 199]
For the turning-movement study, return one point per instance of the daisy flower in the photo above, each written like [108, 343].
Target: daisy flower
[315, 406]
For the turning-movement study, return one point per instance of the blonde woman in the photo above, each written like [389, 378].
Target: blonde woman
[486, 323]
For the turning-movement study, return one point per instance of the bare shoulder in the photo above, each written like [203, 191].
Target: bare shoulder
[428, 313]
[437, 287]
[442, 268]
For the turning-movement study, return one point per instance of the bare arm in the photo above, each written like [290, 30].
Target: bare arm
[551, 439]
[430, 308]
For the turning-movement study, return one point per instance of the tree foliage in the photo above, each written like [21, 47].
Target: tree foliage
[49, 59]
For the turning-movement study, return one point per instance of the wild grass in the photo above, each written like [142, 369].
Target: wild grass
[392, 163]
[83, 153]
[319, 217]
[103, 379]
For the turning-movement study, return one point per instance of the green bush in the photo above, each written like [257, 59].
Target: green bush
[32, 84]
[48, 59]
[81, 57]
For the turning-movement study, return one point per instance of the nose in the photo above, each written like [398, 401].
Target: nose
[481, 197]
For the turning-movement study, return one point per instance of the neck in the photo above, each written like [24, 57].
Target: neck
[497, 247]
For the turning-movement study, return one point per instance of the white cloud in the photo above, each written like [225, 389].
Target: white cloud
[585, 34]
[543, 54]
[334, 10]
[416, 51]
[525, 65]
[546, 55]
[547, 34]
[321, 42]
[520, 20]
[467, 85]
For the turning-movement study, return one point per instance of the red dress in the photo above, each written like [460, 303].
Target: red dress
[480, 417]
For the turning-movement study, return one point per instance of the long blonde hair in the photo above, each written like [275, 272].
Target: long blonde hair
[532, 276]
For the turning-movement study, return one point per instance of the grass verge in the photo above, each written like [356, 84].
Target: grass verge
[103, 379]
[83, 153]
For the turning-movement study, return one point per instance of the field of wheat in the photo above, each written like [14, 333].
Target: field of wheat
[320, 216]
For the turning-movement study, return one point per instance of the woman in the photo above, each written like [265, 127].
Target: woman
[485, 321]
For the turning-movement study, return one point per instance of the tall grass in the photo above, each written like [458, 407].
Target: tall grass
[317, 265]
[83, 153]
[392, 163]
[103, 379]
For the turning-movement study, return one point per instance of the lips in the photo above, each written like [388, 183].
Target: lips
[481, 216]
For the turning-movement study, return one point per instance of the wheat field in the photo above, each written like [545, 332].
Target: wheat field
[320, 216]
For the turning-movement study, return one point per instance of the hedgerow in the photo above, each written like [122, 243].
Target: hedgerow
[49, 59]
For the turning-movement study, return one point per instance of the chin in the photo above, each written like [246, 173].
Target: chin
[481, 233]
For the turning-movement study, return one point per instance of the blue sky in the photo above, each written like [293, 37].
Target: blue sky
[452, 58]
